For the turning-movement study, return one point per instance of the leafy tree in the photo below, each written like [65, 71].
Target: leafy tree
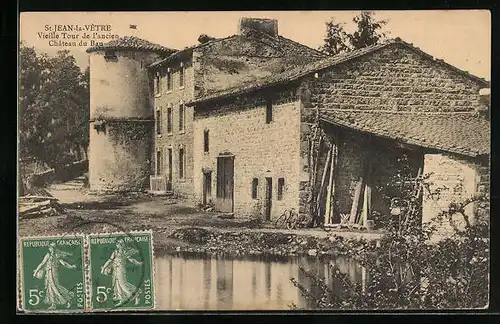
[337, 40]
[53, 107]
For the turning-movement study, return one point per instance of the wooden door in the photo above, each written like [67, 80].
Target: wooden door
[225, 184]
[269, 198]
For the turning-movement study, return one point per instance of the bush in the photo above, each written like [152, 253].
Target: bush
[413, 271]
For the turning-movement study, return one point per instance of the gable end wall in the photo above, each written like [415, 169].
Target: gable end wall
[394, 78]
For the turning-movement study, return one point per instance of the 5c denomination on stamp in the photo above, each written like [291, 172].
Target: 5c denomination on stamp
[121, 271]
[53, 273]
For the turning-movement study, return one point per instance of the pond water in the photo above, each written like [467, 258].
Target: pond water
[190, 281]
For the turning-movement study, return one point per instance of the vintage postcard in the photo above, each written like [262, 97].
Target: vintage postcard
[281, 160]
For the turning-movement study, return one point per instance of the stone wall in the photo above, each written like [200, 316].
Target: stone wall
[120, 88]
[120, 149]
[119, 156]
[239, 61]
[452, 179]
[261, 150]
[174, 98]
[394, 78]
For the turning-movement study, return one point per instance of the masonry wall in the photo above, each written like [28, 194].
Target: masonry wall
[261, 150]
[120, 147]
[452, 179]
[244, 59]
[173, 98]
[118, 156]
[120, 88]
[394, 78]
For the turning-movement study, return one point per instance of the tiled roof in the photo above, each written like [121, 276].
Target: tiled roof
[303, 70]
[241, 60]
[132, 43]
[186, 51]
[279, 40]
[462, 133]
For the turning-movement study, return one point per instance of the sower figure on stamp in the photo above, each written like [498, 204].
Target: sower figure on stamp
[116, 266]
[55, 293]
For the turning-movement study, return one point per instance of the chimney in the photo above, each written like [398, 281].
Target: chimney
[266, 26]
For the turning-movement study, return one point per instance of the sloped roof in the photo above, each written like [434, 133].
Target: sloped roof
[304, 70]
[186, 51]
[131, 43]
[462, 133]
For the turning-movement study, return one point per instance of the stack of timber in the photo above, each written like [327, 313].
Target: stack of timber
[39, 204]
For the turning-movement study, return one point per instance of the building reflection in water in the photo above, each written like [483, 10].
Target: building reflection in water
[198, 282]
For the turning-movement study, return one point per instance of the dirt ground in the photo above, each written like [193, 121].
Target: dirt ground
[88, 213]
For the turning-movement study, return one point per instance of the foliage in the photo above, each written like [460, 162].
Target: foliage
[367, 33]
[412, 267]
[53, 107]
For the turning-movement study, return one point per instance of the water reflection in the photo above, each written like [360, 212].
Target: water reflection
[198, 281]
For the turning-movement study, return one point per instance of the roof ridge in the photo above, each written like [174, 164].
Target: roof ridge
[303, 45]
[131, 42]
[327, 62]
[398, 40]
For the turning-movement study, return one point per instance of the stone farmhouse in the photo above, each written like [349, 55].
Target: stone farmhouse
[256, 123]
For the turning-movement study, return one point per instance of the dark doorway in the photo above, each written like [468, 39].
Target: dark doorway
[269, 198]
[207, 187]
[169, 175]
[225, 181]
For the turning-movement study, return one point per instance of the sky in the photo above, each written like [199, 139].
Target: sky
[459, 37]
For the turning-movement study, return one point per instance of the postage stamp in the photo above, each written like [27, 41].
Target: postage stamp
[53, 273]
[121, 271]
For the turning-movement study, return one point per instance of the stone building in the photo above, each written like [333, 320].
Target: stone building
[121, 118]
[257, 51]
[256, 123]
[359, 114]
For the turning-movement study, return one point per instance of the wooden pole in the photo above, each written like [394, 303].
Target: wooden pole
[323, 181]
[355, 200]
[328, 205]
[367, 199]
[333, 170]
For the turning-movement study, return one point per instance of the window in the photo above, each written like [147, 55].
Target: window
[269, 111]
[182, 115]
[169, 120]
[255, 186]
[151, 83]
[181, 162]
[181, 76]
[169, 80]
[281, 187]
[158, 122]
[159, 162]
[157, 83]
[205, 141]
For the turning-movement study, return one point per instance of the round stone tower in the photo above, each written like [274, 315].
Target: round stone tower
[121, 114]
